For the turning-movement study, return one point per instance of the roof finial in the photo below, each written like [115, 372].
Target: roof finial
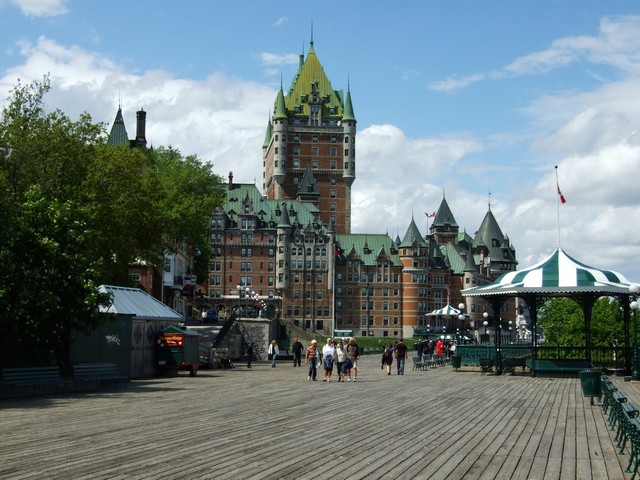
[312, 33]
[489, 201]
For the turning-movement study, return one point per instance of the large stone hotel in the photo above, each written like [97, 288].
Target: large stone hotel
[286, 255]
[290, 246]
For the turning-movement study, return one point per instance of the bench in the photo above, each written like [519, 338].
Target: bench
[630, 409]
[486, 365]
[509, 364]
[31, 376]
[99, 373]
[619, 397]
[558, 365]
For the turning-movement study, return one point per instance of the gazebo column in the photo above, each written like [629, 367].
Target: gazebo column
[587, 302]
[628, 350]
[496, 305]
[532, 303]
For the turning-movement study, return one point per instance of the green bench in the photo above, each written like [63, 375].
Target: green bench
[486, 365]
[509, 364]
[31, 376]
[558, 365]
[99, 373]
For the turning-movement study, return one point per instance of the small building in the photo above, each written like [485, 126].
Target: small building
[129, 340]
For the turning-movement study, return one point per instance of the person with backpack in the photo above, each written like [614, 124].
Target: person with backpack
[353, 354]
[387, 358]
[328, 357]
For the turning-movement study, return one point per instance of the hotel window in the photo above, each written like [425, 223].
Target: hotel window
[314, 152]
[334, 139]
[334, 165]
[333, 194]
[333, 152]
[314, 139]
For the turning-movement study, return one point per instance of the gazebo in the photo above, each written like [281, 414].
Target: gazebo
[558, 276]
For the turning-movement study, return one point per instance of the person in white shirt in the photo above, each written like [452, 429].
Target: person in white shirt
[328, 357]
[341, 358]
[273, 351]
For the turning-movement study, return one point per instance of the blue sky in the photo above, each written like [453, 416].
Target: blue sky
[462, 99]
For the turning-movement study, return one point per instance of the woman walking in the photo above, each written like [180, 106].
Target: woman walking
[328, 357]
[341, 360]
[273, 352]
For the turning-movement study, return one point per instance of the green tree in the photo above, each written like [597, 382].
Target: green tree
[125, 201]
[48, 279]
[77, 212]
[190, 193]
[562, 321]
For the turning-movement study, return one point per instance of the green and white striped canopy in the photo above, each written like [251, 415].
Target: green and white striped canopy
[448, 311]
[557, 275]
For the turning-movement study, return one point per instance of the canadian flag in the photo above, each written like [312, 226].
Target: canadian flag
[433, 214]
[562, 199]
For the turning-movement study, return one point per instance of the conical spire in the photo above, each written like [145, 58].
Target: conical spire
[118, 135]
[267, 136]
[348, 108]
[280, 111]
[413, 234]
[444, 217]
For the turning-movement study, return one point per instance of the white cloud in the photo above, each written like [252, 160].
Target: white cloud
[617, 45]
[41, 8]
[223, 120]
[279, 59]
[280, 22]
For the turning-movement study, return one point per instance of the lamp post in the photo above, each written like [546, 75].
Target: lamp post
[634, 289]
[461, 318]
[498, 327]
[485, 315]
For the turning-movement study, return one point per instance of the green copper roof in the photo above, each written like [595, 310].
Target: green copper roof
[270, 211]
[118, 135]
[348, 108]
[312, 79]
[280, 111]
[368, 247]
[267, 137]
[309, 184]
[413, 234]
[444, 217]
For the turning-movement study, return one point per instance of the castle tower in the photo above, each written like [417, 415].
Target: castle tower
[312, 127]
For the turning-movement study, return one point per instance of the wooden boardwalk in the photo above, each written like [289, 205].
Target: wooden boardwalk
[267, 423]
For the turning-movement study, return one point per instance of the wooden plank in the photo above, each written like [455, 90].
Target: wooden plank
[272, 423]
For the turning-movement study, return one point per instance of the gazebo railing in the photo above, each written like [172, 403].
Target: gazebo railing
[601, 357]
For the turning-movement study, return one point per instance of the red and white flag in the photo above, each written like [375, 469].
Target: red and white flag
[562, 199]
[560, 195]
[433, 214]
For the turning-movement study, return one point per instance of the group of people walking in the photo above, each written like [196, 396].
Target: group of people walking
[334, 353]
[344, 357]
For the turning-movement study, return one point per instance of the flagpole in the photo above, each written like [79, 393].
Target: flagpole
[558, 206]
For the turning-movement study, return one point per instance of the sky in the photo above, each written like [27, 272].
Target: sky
[474, 101]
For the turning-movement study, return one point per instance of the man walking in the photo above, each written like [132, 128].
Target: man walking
[297, 349]
[401, 356]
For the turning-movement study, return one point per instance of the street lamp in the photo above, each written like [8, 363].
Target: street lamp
[485, 315]
[498, 327]
[461, 318]
[634, 289]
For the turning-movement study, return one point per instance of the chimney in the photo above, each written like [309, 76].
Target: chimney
[230, 180]
[141, 140]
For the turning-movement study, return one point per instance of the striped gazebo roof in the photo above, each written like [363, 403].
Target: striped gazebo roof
[445, 311]
[558, 275]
